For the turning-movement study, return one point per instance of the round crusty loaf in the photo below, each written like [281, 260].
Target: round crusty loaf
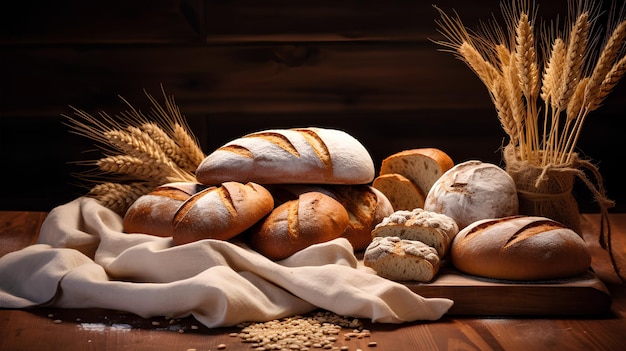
[221, 212]
[153, 213]
[310, 219]
[402, 260]
[290, 156]
[400, 190]
[366, 206]
[520, 248]
[433, 229]
[423, 166]
[471, 191]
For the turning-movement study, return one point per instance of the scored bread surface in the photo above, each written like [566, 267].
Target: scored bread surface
[403, 260]
[289, 156]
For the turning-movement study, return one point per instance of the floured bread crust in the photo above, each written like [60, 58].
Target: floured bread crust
[402, 260]
[434, 229]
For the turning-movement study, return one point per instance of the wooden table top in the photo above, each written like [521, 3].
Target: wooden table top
[57, 329]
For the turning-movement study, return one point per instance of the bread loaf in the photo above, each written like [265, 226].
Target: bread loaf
[153, 213]
[365, 205]
[310, 219]
[423, 166]
[403, 194]
[221, 212]
[471, 191]
[402, 260]
[520, 248]
[281, 156]
[433, 229]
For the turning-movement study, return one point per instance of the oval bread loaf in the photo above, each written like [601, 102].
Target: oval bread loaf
[282, 156]
[402, 260]
[365, 205]
[471, 191]
[154, 212]
[221, 212]
[434, 229]
[310, 219]
[520, 248]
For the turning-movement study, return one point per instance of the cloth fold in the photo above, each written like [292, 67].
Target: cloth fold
[83, 259]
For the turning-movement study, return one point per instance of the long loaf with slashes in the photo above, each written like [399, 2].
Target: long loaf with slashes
[289, 156]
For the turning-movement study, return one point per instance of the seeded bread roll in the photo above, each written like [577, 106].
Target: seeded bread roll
[520, 248]
[366, 206]
[471, 191]
[422, 166]
[402, 260]
[310, 219]
[434, 229]
[153, 213]
[289, 156]
[400, 190]
[221, 212]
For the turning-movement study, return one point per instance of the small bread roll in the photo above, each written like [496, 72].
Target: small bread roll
[402, 260]
[153, 213]
[310, 219]
[221, 212]
[471, 191]
[520, 248]
[434, 229]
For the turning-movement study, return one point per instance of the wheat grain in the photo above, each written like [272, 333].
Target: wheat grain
[607, 57]
[551, 76]
[188, 146]
[118, 197]
[168, 146]
[526, 59]
[483, 69]
[572, 69]
[503, 108]
[132, 166]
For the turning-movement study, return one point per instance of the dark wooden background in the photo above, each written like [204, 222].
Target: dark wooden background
[368, 67]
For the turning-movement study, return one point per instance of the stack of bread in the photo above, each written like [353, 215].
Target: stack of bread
[279, 190]
[282, 190]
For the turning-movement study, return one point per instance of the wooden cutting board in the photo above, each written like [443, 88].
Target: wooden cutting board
[474, 296]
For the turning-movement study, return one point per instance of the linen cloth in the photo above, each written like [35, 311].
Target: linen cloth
[83, 259]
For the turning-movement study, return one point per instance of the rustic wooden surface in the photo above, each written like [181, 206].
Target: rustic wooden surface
[368, 67]
[95, 329]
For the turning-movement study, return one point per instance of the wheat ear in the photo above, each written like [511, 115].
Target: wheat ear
[118, 197]
[483, 68]
[604, 64]
[169, 146]
[576, 47]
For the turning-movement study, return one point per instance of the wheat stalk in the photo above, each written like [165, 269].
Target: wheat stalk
[140, 154]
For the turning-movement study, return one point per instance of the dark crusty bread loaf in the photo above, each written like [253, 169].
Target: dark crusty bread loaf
[433, 229]
[403, 194]
[310, 219]
[520, 248]
[189, 211]
[366, 206]
[402, 260]
[153, 213]
[221, 212]
[294, 156]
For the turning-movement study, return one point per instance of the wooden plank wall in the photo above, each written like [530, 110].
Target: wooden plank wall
[368, 67]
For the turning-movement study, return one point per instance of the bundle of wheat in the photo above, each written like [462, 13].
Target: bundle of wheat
[542, 101]
[140, 151]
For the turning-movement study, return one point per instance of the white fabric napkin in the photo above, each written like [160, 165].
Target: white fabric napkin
[83, 259]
